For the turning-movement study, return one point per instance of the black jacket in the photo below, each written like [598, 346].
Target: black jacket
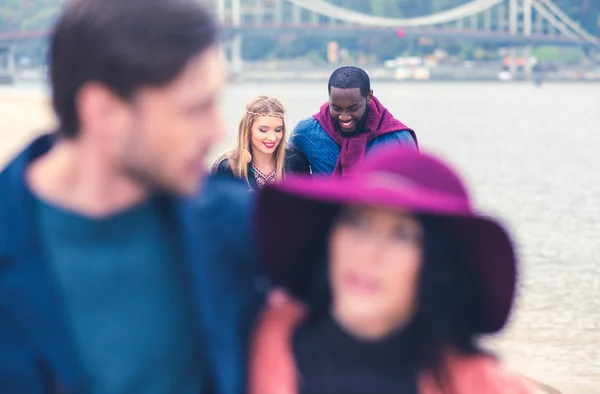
[295, 163]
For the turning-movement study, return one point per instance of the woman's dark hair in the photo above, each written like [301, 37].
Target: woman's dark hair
[447, 303]
[125, 45]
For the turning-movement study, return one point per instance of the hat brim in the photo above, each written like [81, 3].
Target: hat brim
[294, 218]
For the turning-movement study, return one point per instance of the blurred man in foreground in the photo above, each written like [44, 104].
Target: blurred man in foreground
[109, 282]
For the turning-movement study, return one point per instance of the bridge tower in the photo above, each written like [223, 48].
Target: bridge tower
[520, 20]
[231, 49]
[7, 64]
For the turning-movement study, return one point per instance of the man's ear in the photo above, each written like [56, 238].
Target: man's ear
[369, 97]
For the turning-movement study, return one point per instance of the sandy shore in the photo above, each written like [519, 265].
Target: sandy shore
[24, 114]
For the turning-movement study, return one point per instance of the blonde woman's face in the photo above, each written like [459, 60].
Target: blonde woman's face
[266, 134]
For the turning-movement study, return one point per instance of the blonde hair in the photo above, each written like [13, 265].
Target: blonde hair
[259, 106]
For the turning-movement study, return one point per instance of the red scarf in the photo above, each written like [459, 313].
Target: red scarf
[379, 122]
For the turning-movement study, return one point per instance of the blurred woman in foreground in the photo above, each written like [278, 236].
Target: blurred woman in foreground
[262, 155]
[394, 277]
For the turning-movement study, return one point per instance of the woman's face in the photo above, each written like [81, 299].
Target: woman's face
[266, 134]
[375, 261]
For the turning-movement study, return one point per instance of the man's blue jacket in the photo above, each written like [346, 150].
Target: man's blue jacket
[214, 229]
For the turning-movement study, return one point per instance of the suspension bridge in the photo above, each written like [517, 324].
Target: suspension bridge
[509, 21]
[517, 24]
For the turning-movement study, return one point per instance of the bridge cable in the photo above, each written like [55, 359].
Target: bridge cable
[329, 10]
[570, 22]
[553, 20]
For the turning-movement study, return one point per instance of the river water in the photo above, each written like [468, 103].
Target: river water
[531, 155]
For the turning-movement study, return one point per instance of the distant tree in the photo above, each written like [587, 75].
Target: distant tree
[28, 14]
[389, 8]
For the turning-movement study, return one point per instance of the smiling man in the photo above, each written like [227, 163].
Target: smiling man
[351, 125]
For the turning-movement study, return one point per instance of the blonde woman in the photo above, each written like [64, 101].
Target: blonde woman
[262, 155]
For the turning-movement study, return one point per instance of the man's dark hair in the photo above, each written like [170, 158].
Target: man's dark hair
[125, 45]
[349, 77]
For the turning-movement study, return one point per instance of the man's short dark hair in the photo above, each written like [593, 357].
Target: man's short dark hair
[125, 45]
[349, 77]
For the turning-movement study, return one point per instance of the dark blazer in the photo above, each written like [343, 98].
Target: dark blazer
[36, 351]
[295, 163]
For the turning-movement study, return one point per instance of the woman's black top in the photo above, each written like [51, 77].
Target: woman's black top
[330, 361]
[295, 163]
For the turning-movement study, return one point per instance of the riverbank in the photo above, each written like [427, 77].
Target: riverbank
[479, 72]
[278, 72]
[23, 115]
[291, 78]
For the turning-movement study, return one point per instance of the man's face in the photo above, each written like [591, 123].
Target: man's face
[347, 107]
[170, 129]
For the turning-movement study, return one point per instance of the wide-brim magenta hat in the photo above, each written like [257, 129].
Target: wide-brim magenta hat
[294, 217]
